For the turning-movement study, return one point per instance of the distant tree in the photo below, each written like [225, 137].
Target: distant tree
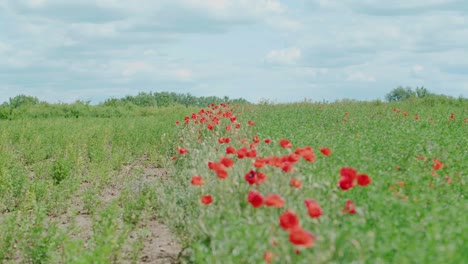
[422, 92]
[400, 94]
[22, 99]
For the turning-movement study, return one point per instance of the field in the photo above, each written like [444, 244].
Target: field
[344, 182]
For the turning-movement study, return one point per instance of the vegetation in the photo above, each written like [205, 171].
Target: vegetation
[73, 187]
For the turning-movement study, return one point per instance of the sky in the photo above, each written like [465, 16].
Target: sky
[275, 50]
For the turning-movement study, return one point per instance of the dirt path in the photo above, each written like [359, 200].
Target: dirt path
[159, 245]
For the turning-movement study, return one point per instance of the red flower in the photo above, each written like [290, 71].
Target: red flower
[363, 179]
[253, 177]
[207, 199]
[274, 200]
[284, 143]
[260, 162]
[231, 150]
[197, 180]
[289, 220]
[350, 207]
[182, 151]
[228, 128]
[296, 183]
[251, 123]
[238, 126]
[227, 162]
[348, 173]
[307, 153]
[242, 153]
[177, 122]
[255, 198]
[268, 256]
[346, 184]
[251, 153]
[326, 151]
[301, 237]
[313, 208]
[210, 126]
[267, 141]
[405, 113]
[437, 165]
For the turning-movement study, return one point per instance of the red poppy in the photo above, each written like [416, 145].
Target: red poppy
[301, 237]
[289, 220]
[326, 151]
[228, 128]
[177, 122]
[307, 153]
[346, 184]
[405, 113]
[233, 119]
[287, 166]
[227, 162]
[313, 208]
[363, 179]
[350, 207]
[182, 151]
[274, 200]
[255, 198]
[284, 143]
[268, 256]
[267, 141]
[348, 173]
[197, 180]
[231, 150]
[251, 153]
[242, 153]
[207, 199]
[210, 126]
[251, 123]
[437, 164]
[296, 183]
[260, 162]
[238, 126]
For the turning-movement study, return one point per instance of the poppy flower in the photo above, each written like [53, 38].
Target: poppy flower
[182, 151]
[260, 162]
[296, 183]
[437, 165]
[363, 179]
[307, 153]
[207, 199]
[268, 256]
[274, 200]
[267, 141]
[255, 198]
[284, 143]
[301, 237]
[177, 122]
[251, 153]
[325, 151]
[228, 128]
[289, 220]
[231, 150]
[197, 180]
[227, 162]
[287, 166]
[233, 119]
[238, 126]
[242, 153]
[350, 207]
[313, 208]
[210, 126]
[251, 123]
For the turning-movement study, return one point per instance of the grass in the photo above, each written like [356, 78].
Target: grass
[55, 170]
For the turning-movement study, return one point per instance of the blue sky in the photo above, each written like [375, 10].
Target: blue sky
[281, 50]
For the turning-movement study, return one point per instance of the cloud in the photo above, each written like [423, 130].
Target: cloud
[284, 56]
[360, 76]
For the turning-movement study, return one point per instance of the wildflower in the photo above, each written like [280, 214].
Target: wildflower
[325, 151]
[238, 126]
[260, 162]
[231, 150]
[289, 220]
[207, 199]
[251, 123]
[197, 180]
[437, 165]
[227, 162]
[268, 256]
[255, 198]
[177, 122]
[313, 208]
[296, 183]
[182, 151]
[267, 141]
[363, 179]
[350, 207]
[284, 143]
[210, 126]
[274, 200]
[301, 237]
[307, 153]
[242, 153]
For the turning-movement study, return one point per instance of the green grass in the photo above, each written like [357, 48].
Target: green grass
[52, 166]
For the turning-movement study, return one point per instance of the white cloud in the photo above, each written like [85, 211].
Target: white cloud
[184, 74]
[284, 56]
[417, 69]
[133, 68]
[360, 76]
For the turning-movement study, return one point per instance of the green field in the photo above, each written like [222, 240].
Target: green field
[57, 170]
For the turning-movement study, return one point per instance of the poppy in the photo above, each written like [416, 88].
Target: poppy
[325, 151]
[274, 200]
[255, 198]
[197, 180]
[296, 183]
[284, 143]
[268, 256]
[227, 162]
[437, 165]
[207, 199]
[350, 207]
[251, 123]
[301, 237]
[313, 208]
[363, 179]
[231, 150]
[289, 220]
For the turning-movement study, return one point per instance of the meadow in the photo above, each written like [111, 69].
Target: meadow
[342, 182]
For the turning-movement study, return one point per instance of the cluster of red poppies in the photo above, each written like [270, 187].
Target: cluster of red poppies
[212, 119]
